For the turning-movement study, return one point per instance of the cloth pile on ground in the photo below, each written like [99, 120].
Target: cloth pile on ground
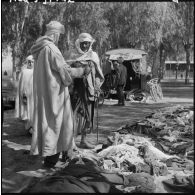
[89, 178]
[120, 158]
[180, 183]
[133, 154]
[170, 131]
[136, 95]
[127, 162]
[146, 159]
[172, 128]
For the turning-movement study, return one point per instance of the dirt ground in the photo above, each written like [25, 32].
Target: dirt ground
[18, 166]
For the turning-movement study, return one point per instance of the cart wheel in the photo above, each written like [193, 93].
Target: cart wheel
[101, 99]
[106, 94]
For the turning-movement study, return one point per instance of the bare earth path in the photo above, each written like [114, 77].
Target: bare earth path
[18, 167]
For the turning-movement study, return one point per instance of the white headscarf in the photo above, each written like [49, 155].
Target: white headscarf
[54, 27]
[89, 55]
[84, 37]
[30, 58]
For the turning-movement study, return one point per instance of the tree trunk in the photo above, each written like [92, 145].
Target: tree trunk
[156, 64]
[25, 16]
[68, 40]
[177, 66]
[162, 60]
[13, 62]
[163, 63]
[187, 50]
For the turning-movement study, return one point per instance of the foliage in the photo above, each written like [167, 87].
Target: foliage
[160, 28]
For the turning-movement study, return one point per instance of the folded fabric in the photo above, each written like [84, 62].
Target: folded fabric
[143, 181]
[180, 164]
[88, 178]
[180, 184]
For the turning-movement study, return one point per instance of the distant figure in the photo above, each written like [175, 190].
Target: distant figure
[24, 100]
[122, 77]
[181, 76]
[5, 73]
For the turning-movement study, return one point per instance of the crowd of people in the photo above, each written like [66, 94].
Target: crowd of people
[53, 113]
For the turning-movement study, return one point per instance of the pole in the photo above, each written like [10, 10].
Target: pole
[97, 119]
[177, 65]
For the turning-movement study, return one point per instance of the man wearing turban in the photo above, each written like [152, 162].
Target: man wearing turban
[53, 117]
[24, 99]
[85, 89]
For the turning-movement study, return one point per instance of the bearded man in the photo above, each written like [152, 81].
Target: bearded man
[85, 89]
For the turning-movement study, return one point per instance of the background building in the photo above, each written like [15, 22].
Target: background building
[177, 69]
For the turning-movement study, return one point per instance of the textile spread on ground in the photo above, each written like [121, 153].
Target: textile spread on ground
[133, 159]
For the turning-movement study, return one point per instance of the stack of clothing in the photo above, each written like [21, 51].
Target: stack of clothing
[127, 162]
[172, 129]
[86, 177]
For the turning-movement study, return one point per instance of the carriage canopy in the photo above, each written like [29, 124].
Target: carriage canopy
[129, 55]
[134, 60]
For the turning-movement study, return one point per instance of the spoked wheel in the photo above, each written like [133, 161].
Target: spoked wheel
[101, 98]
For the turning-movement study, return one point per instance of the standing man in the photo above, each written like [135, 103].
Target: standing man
[86, 89]
[122, 77]
[53, 117]
[24, 99]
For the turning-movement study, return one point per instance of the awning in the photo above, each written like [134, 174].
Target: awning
[126, 53]
[125, 56]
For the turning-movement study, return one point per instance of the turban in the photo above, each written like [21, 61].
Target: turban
[54, 27]
[84, 37]
[30, 58]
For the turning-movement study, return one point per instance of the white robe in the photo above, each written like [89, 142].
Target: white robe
[53, 118]
[25, 87]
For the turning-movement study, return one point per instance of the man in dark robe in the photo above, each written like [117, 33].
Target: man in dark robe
[85, 90]
[121, 79]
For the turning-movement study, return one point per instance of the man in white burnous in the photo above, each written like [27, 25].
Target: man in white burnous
[53, 117]
[24, 99]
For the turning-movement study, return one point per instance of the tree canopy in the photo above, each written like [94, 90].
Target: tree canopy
[162, 29]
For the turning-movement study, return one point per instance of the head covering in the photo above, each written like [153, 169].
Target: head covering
[54, 27]
[84, 37]
[30, 58]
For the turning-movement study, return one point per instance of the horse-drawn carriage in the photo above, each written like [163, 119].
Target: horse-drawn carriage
[135, 62]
